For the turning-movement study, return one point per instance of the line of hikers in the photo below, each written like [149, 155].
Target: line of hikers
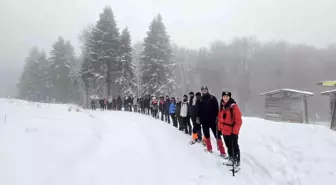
[130, 103]
[195, 116]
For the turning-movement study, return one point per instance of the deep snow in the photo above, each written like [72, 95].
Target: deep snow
[44, 144]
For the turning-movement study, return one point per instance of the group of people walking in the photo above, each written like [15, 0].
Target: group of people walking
[196, 115]
[130, 103]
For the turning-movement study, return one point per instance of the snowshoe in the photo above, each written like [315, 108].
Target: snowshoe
[235, 169]
[224, 156]
[228, 162]
[192, 142]
[203, 142]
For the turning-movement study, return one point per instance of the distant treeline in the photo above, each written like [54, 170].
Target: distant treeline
[109, 66]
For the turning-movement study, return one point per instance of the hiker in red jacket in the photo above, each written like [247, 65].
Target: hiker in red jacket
[229, 123]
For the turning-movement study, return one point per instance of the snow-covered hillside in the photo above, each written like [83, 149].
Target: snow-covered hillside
[45, 144]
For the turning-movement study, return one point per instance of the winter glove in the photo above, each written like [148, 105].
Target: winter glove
[198, 120]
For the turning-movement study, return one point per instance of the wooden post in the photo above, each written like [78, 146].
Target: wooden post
[333, 109]
[305, 109]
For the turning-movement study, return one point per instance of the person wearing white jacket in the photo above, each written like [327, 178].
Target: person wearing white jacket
[184, 115]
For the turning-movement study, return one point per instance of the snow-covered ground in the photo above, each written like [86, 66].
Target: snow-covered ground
[44, 144]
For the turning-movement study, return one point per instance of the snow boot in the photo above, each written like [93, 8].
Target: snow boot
[237, 163]
[229, 162]
[224, 156]
[208, 145]
[203, 141]
[221, 148]
[194, 138]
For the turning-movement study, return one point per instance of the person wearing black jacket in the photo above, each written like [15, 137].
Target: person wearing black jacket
[166, 109]
[191, 97]
[114, 104]
[190, 107]
[209, 109]
[197, 130]
[93, 104]
[142, 105]
[119, 103]
[101, 103]
[147, 104]
[178, 114]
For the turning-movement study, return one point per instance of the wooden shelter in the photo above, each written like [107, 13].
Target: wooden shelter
[332, 97]
[287, 105]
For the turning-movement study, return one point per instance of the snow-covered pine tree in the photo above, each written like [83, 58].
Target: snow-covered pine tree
[171, 71]
[136, 54]
[62, 58]
[127, 78]
[104, 53]
[28, 85]
[86, 70]
[184, 72]
[43, 77]
[87, 75]
[157, 60]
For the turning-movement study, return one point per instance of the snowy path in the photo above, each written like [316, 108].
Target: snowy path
[147, 152]
[43, 144]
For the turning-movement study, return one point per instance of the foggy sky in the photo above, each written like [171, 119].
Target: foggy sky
[191, 23]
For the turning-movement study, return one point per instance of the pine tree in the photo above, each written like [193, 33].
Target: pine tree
[62, 58]
[86, 70]
[136, 54]
[43, 76]
[157, 61]
[104, 53]
[127, 79]
[29, 79]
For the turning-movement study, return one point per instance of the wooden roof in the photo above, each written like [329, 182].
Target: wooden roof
[304, 93]
[328, 92]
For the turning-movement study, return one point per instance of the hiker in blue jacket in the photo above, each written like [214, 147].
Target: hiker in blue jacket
[172, 111]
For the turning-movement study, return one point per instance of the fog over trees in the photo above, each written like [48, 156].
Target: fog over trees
[109, 65]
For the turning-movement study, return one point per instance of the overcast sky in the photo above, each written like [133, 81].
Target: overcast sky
[191, 23]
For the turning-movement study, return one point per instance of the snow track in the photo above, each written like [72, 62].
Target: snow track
[44, 144]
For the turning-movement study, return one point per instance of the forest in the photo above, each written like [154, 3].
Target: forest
[109, 65]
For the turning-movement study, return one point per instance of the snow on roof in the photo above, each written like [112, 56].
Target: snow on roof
[328, 92]
[287, 90]
[329, 83]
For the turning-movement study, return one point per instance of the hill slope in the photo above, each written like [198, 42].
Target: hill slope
[44, 144]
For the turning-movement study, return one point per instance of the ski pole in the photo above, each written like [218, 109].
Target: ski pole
[233, 157]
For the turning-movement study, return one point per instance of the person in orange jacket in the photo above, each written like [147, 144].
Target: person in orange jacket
[229, 123]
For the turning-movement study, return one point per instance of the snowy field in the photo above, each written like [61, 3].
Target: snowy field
[44, 144]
